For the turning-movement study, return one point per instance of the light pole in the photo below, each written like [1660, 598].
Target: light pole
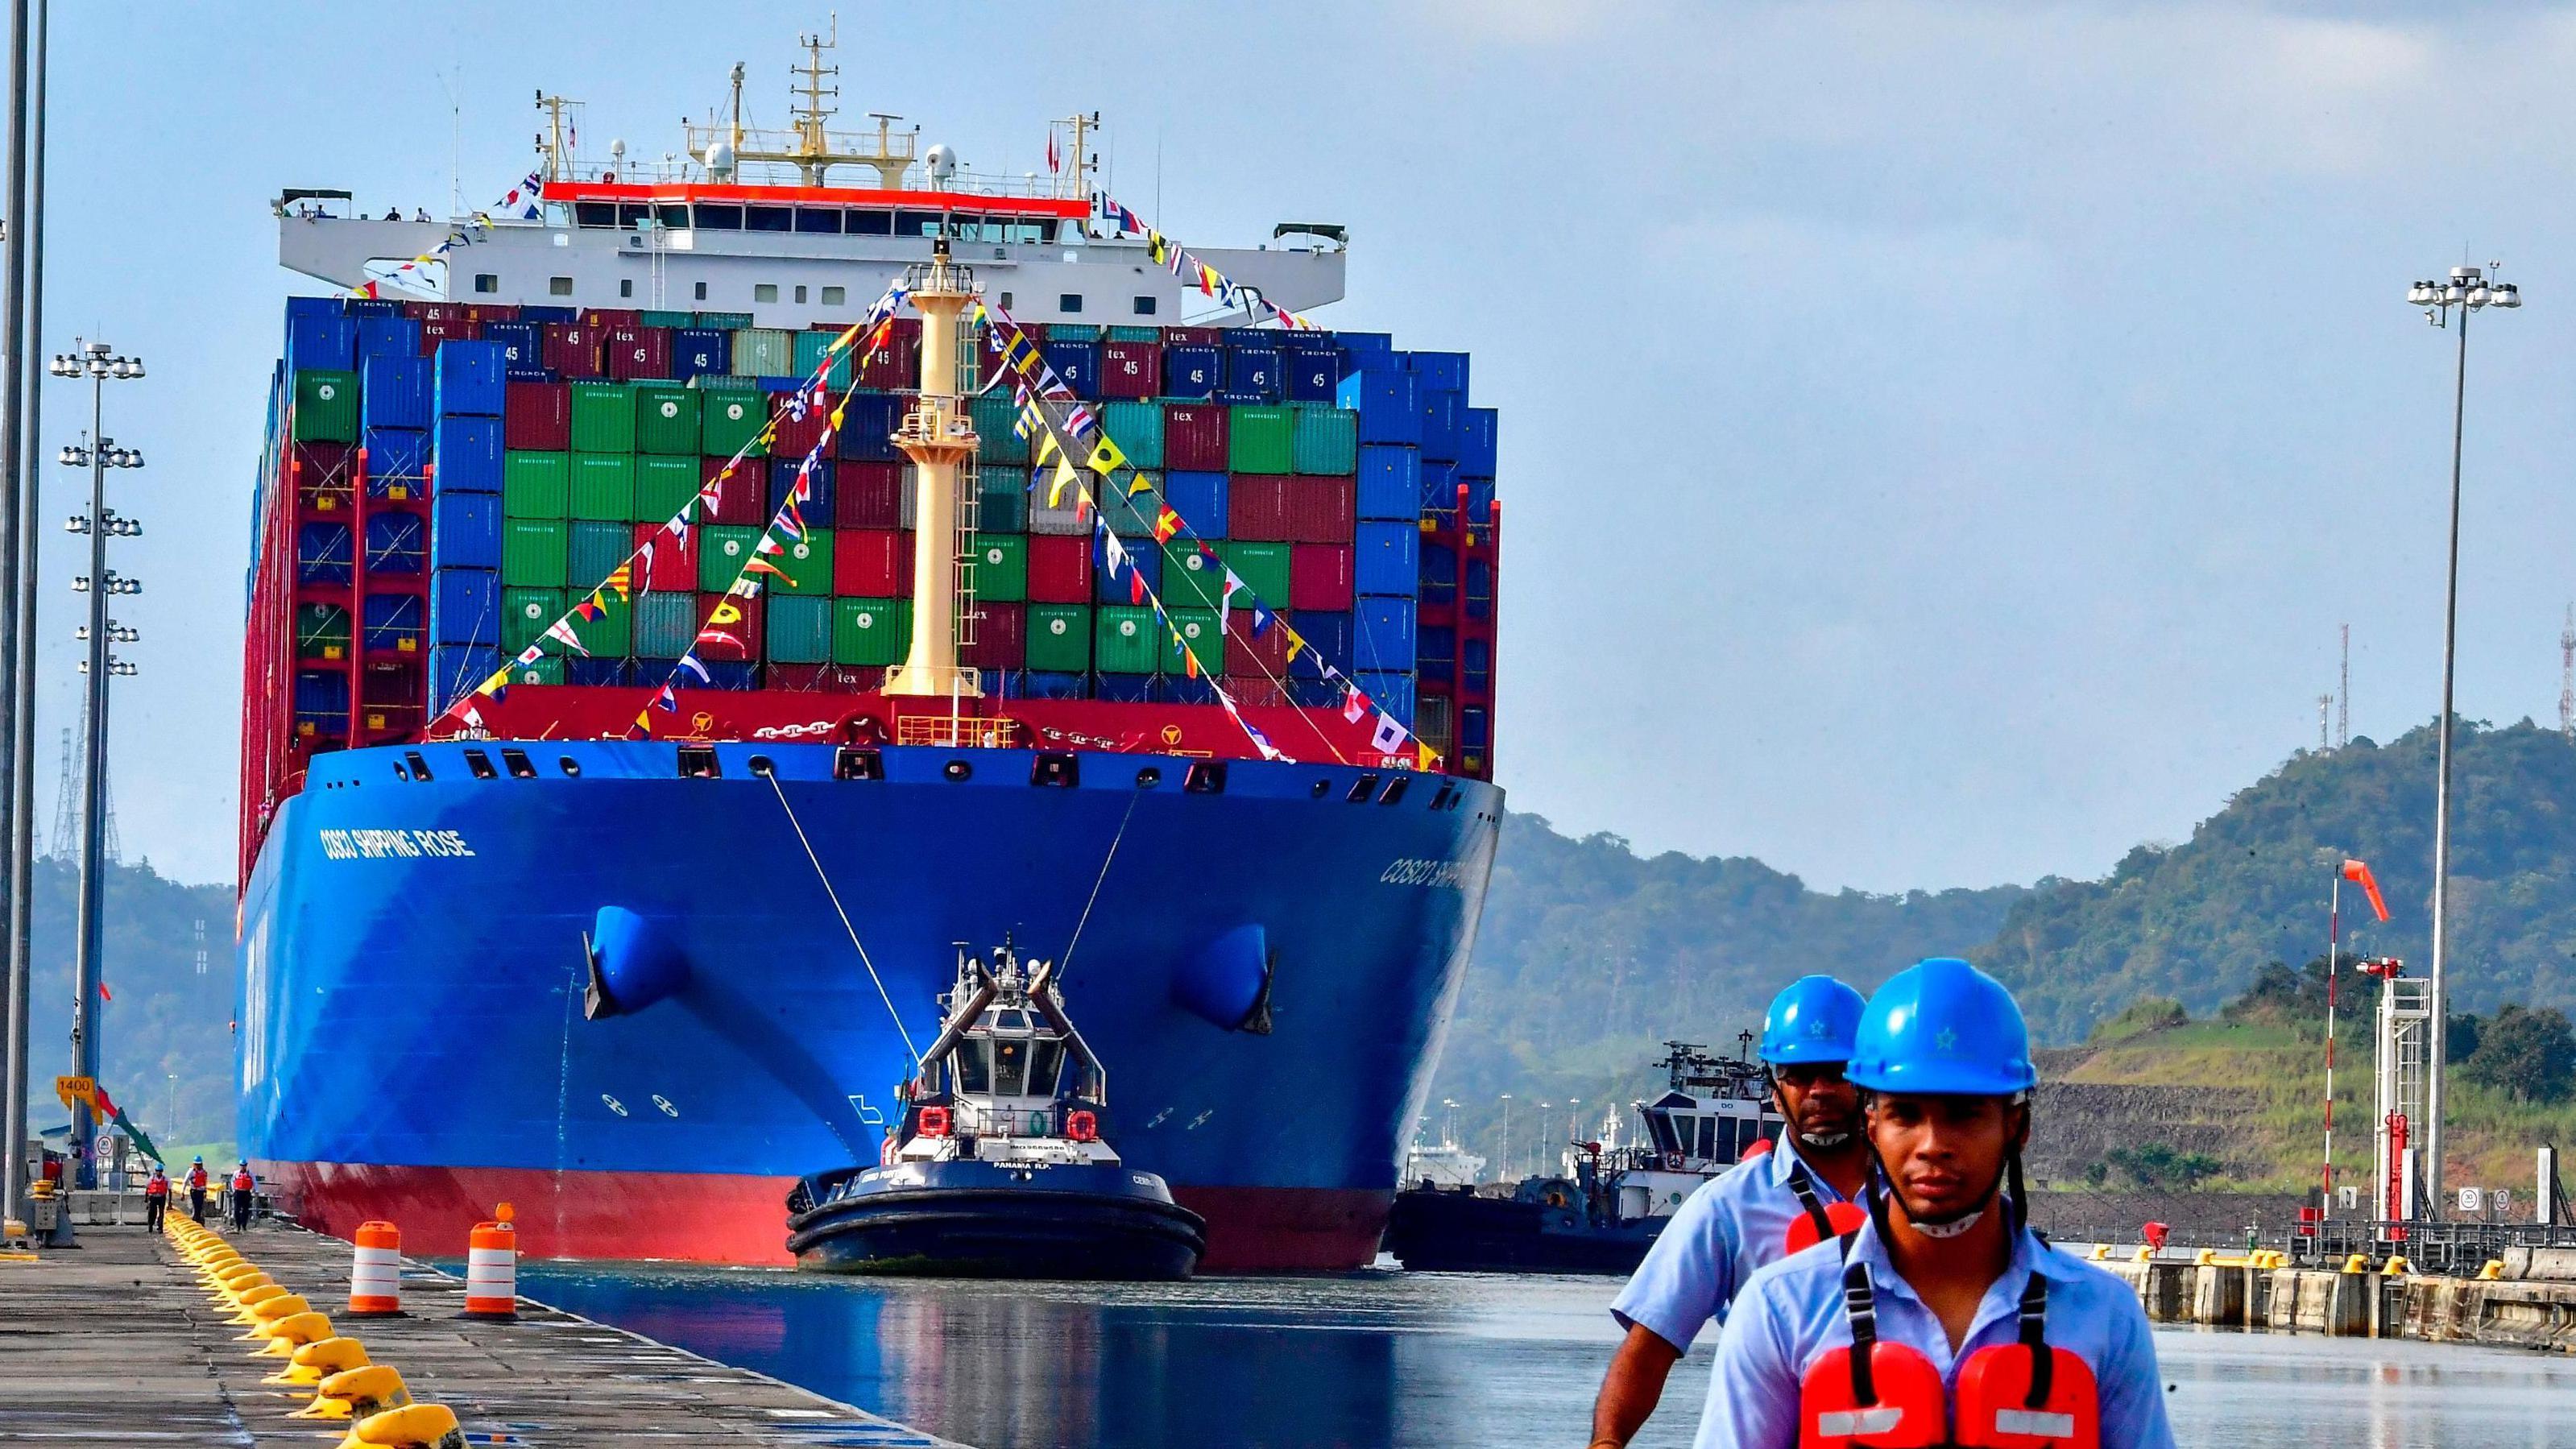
[1574, 1119]
[1503, 1159]
[2468, 290]
[1538, 1148]
[97, 452]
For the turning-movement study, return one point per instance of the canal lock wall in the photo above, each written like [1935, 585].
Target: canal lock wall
[2530, 1303]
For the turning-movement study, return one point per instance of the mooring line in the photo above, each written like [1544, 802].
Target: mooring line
[835, 897]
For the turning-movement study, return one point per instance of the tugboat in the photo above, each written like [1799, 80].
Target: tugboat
[997, 1168]
[1613, 1202]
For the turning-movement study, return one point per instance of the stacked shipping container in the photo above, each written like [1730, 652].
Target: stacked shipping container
[461, 474]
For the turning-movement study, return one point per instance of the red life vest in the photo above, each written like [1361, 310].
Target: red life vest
[242, 1182]
[159, 1186]
[196, 1177]
[1874, 1395]
[1822, 1220]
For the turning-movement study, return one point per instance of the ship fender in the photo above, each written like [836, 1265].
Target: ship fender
[633, 964]
[1227, 984]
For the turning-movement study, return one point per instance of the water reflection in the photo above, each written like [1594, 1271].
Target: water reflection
[1424, 1359]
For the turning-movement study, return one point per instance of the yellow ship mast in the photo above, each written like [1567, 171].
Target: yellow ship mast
[810, 145]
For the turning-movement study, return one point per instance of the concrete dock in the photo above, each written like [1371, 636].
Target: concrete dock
[2530, 1304]
[116, 1341]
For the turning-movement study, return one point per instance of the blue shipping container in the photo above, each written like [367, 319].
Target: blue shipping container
[1442, 432]
[454, 671]
[326, 344]
[322, 553]
[395, 454]
[1384, 635]
[297, 307]
[1390, 410]
[701, 352]
[393, 392]
[1123, 688]
[1046, 684]
[1192, 371]
[817, 511]
[465, 530]
[1328, 633]
[522, 344]
[1365, 345]
[547, 312]
[1390, 692]
[395, 623]
[1439, 487]
[393, 336]
[1446, 371]
[471, 378]
[1314, 373]
[1308, 693]
[1254, 370]
[322, 699]
[1388, 560]
[1477, 441]
[371, 307]
[1145, 559]
[599, 673]
[1078, 363]
[1390, 482]
[868, 421]
[468, 455]
[465, 608]
[1200, 499]
[396, 544]
[1435, 653]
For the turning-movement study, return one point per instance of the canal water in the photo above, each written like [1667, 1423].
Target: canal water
[1424, 1359]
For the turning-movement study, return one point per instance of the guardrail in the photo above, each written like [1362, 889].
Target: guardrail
[2456, 1249]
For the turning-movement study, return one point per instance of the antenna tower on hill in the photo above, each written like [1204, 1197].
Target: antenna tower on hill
[2343, 694]
[67, 805]
[2567, 677]
[2325, 723]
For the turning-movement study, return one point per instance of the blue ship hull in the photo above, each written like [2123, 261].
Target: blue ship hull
[414, 1047]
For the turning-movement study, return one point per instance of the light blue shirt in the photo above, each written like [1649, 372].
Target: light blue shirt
[1726, 1231]
[1791, 1314]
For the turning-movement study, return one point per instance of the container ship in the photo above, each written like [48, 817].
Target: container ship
[1215, 729]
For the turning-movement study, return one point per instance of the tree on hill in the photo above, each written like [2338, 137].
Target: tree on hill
[2529, 1054]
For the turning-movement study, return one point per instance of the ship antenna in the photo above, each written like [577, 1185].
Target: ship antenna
[812, 113]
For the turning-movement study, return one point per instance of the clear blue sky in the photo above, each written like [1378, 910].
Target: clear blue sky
[1939, 441]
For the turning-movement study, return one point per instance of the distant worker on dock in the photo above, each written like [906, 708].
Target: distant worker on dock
[156, 1198]
[1942, 1318]
[197, 1190]
[244, 1185]
[1765, 1209]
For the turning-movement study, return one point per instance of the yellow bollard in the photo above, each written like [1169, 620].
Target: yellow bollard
[414, 1426]
[356, 1393]
[246, 1305]
[2396, 1267]
[2144, 1254]
[2205, 1258]
[2101, 1253]
[318, 1360]
[269, 1310]
[2357, 1263]
[292, 1332]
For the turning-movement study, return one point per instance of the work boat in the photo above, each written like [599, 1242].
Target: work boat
[997, 1168]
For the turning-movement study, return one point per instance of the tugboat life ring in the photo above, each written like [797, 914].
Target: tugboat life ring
[934, 1121]
[1082, 1126]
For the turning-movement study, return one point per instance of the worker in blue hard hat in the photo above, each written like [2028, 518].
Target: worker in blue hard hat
[1761, 1211]
[1942, 1319]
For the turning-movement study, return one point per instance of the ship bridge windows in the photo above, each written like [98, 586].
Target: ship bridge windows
[916, 223]
[631, 214]
[1708, 1137]
[823, 220]
[714, 216]
[1010, 1067]
[1046, 1065]
[869, 223]
[1659, 1125]
[769, 218]
[594, 213]
[974, 1065]
[673, 216]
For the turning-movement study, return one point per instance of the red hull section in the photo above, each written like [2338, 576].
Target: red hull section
[710, 1218]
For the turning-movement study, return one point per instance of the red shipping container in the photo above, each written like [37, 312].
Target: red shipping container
[872, 563]
[326, 479]
[1001, 638]
[1131, 369]
[1252, 691]
[435, 330]
[745, 498]
[606, 318]
[1258, 506]
[867, 495]
[1194, 438]
[893, 364]
[1270, 650]
[1319, 577]
[1193, 337]
[1320, 510]
[673, 567]
[824, 678]
[537, 416]
[1059, 568]
[794, 439]
[744, 636]
[572, 349]
[639, 353]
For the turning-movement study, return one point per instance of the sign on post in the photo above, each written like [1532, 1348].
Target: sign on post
[76, 1091]
[2472, 1199]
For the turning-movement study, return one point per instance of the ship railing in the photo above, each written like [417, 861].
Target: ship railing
[958, 732]
[846, 172]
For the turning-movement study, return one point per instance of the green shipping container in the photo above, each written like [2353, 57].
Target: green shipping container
[730, 419]
[1257, 437]
[761, 352]
[799, 629]
[805, 567]
[1123, 639]
[1325, 442]
[1060, 638]
[1198, 629]
[651, 318]
[810, 347]
[603, 486]
[1137, 429]
[1001, 567]
[536, 485]
[1131, 334]
[612, 634]
[666, 419]
[723, 321]
[666, 623]
[321, 631]
[526, 615]
[597, 549]
[1002, 502]
[663, 486]
[871, 631]
[534, 552]
[1263, 567]
[994, 415]
[603, 418]
[326, 406]
[549, 670]
[1191, 580]
[722, 551]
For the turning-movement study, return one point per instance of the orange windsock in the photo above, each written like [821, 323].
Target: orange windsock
[2355, 870]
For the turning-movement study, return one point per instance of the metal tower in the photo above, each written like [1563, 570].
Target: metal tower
[2567, 677]
[66, 805]
[2343, 694]
[2405, 1041]
[2325, 723]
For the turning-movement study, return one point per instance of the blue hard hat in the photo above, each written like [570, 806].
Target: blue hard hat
[1943, 1027]
[1812, 1021]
